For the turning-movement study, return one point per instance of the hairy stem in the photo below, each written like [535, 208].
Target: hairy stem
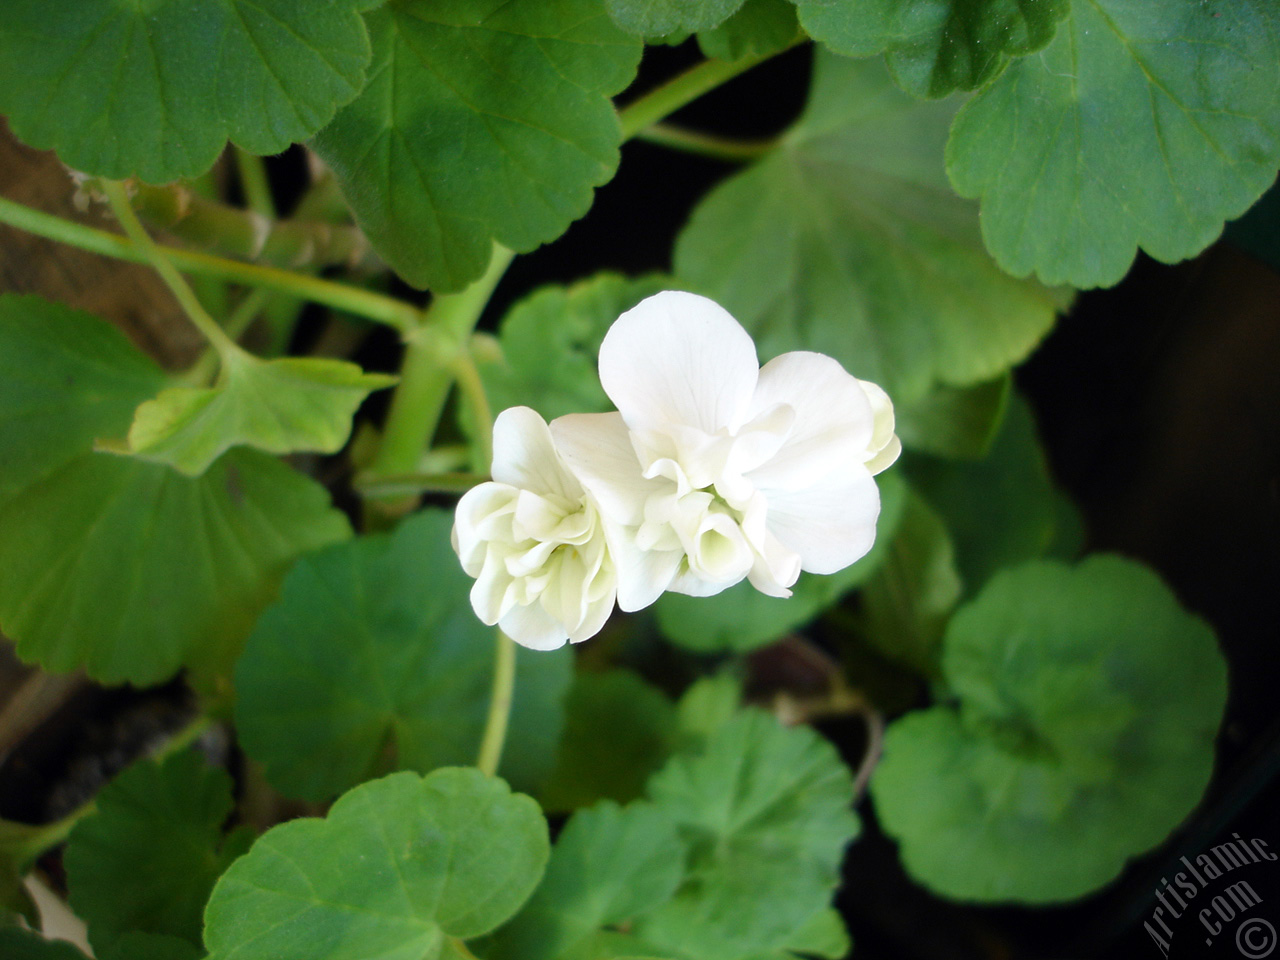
[705, 144]
[364, 303]
[118, 196]
[680, 90]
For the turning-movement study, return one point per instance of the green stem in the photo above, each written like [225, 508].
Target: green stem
[427, 372]
[250, 234]
[118, 196]
[364, 303]
[472, 387]
[706, 144]
[680, 90]
[495, 726]
[246, 311]
[254, 183]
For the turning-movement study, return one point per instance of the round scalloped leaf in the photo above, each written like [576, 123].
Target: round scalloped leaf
[148, 856]
[847, 239]
[373, 653]
[482, 120]
[1141, 125]
[396, 866]
[609, 866]
[1088, 702]
[658, 18]
[126, 568]
[154, 88]
[935, 47]
[760, 29]
[290, 405]
[767, 812]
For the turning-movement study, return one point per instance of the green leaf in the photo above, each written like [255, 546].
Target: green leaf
[618, 731]
[706, 706]
[1141, 125]
[761, 28]
[610, 865]
[148, 856]
[656, 18]
[824, 935]
[482, 120]
[281, 406]
[150, 946]
[19, 944]
[373, 655]
[124, 568]
[550, 341]
[742, 618]
[1088, 705]
[397, 865]
[154, 88]
[999, 511]
[953, 422]
[935, 46]
[767, 812]
[906, 605]
[848, 240]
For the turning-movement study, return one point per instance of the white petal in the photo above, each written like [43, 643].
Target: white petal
[642, 574]
[525, 457]
[692, 585]
[776, 569]
[597, 615]
[833, 424]
[831, 523]
[532, 627]
[677, 358]
[597, 448]
[885, 446]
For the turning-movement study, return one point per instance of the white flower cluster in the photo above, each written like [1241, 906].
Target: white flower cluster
[713, 470]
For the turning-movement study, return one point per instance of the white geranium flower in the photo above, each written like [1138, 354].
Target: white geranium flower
[534, 541]
[718, 469]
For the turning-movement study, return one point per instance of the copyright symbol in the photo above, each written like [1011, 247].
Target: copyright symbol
[1255, 938]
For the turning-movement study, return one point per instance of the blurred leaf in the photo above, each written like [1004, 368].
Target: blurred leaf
[618, 730]
[935, 47]
[1088, 703]
[126, 568]
[742, 618]
[19, 944]
[550, 341]
[610, 865]
[155, 89]
[760, 28]
[373, 655]
[707, 706]
[824, 935]
[766, 812]
[281, 406]
[847, 239]
[906, 605]
[954, 422]
[1139, 125]
[150, 946]
[656, 18]
[998, 511]
[396, 866]
[147, 857]
[482, 120]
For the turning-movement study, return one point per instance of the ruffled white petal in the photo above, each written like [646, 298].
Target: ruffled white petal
[597, 448]
[679, 359]
[524, 455]
[885, 445]
[643, 574]
[532, 627]
[830, 523]
[833, 424]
